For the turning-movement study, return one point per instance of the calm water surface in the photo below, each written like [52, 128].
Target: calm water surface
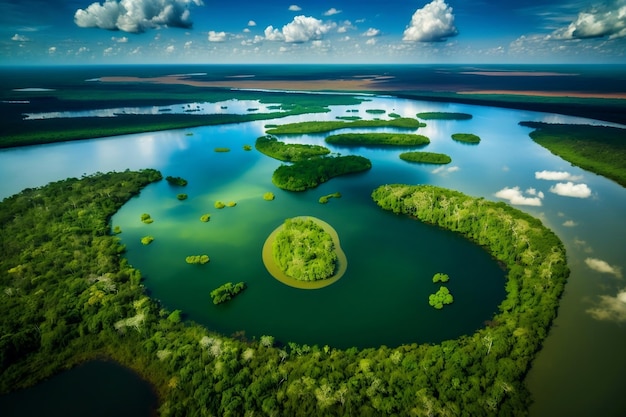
[391, 259]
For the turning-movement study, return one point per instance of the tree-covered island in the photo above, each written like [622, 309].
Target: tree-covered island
[292, 152]
[466, 138]
[426, 157]
[437, 115]
[378, 139]
[226, 292]
[179, 181]
[328, 126]
[309, 173]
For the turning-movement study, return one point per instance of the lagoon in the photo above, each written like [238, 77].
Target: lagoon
[580, 347]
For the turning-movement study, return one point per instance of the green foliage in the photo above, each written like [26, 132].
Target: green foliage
[349, 118]
[268, 196]
[175, 317]
[219, 149]
[176, 181]
[181, 196]
[145, 217]
[466, 137]
[309, 173]
[443, 116]
[394, 115]
[197, 259]
[599, 149]
[440, 298]
[324, 199]
[117, 230]
[205, 217]
[219, 205]
[426, 157]
[270, 146]
[375, 111]
[378, 139]
[226, 292]
[440, 277]
[231, 204]
[146, 240]
[247, 147]
[304, 250]
[328, 126]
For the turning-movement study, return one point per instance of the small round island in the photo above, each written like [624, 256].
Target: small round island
[304, 252]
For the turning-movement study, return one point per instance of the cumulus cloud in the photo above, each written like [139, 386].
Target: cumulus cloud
[123, 39]
[136, 16]
[604, 20]
[603, 267]
[570, 223]
[170, 49]
[272, 34]
[52, 49]
[569, 189]
[515, 196]
[556, 176]
[216, 36]
[251, 23]
[371, 41]
[300, 29]
[19, 38]
[445, 170]
[332, 11]
[432, 23]
[371, 32]
[295, 8]
[610, 308]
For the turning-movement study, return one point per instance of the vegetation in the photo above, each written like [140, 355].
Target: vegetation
[378, 139]
[443, 116]
[205, 217]
[145, 217]
[219, 205]
[349, 118]
[272, 147]
[247, 147]
[181, 196]
[268, 196]
[440, 277]
[599, 149]
[375, 111]
[304, 250]
[222, 149]
[324, 199]
[176, 181]
[117, 230]
[426, 157]
[309, 173]
[440, 298]
[197, 259]
[226, 292]
[328, 126]
[394, 115]
[231, 204]
[146, 240]
[466, 137]
[68, 296]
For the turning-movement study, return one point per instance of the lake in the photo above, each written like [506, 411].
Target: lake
[391, 259]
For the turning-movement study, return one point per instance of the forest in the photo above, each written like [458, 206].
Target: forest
[426, 157]
[68, 296]
[276, 149]
[377, 139]
[309, 173]
[301, 128]
[436, 115]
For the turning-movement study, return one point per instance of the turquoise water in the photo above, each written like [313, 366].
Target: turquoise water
[580, 368]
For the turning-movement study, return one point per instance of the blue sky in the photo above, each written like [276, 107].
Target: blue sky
[305, 31]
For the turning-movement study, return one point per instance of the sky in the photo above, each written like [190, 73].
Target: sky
[59, 32]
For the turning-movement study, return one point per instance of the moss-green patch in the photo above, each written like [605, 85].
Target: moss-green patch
[378, 139]
[443, 116]
[466, 138]
[426, 157]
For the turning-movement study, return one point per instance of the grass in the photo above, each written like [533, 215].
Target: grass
[329, 126]
[443, 116]
[466, 137]
[426, 157]
[378, 139]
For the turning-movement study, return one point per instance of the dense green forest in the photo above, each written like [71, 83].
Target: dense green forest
[226, 292]
[292, 152]
[301, 128]
[426, 157]
[181, 182]
[309, 173]
[304, 250]
[466, 137]
[599, 149]
[377, 139]
[68, 296]
[436, 115]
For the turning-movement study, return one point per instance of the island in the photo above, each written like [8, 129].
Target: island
[378, 139]
[466, 138]
[440, 298]
[268, 196]
[197, 259]
[226, 292]
[305, 252]
[181, 196]
[425, 157]
[443, 116]
[181, 182]
[145, 218]
[272, 147]
[146, 240]
[309, 173]
[324, 199]
[205, 217]
[301, 128]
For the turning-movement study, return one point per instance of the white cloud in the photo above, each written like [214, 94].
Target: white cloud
[52, 49]
[136, 16]
[332, 11]
[19, 38]
[123, 39]
[610, 308]
[445, 170]
[272, 34]
[432, 23]
[569, 189]
[251, 23]
[570, 223]
[304, 29]
[216, 36]
[371, 41]
[170, 49]
[295, 8]
[516, 196]
[556, 176]
[371, 32]
[608, 19]
[603, 266]
[188, 44]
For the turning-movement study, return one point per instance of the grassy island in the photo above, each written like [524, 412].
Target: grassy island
[146, 240]
[269, 196]
[324, 199]
[221, 149]
[375, 111]
[219, 205]
[205, 217]
[378, 139]
[305, 252]
[328, 126]
[309, 173]
[440, 298]
[443, 116]
[466, 138]
[425, 157]
[599, 149]
[181, 182]
[348, 118]
[145, 218]
[226, 292]
[181, 196]
[197, 259]
[292, 152]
